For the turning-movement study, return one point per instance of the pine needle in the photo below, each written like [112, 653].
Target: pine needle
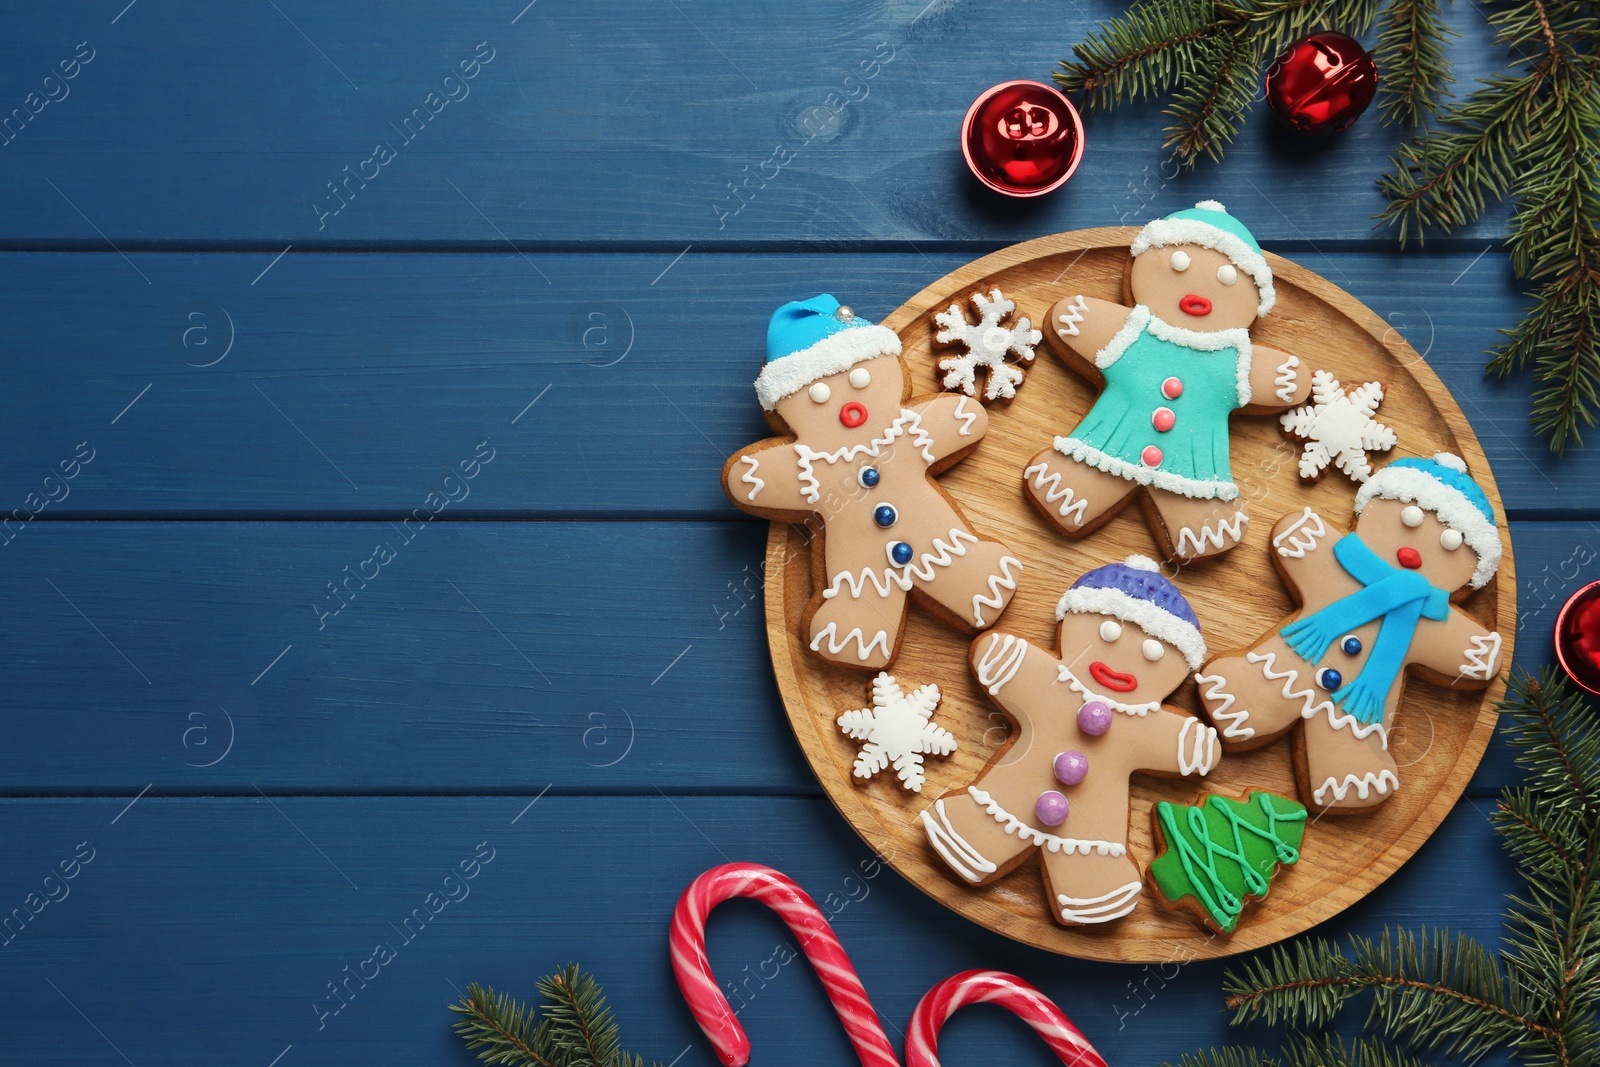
[574, 1028]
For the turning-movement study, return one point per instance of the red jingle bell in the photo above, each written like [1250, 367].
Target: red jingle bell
[1322, 83]
[1022, 138]
[1578, 637]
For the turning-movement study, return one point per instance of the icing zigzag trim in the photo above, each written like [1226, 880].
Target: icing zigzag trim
[1302, 535]
[1234, 727]
[1384, 782]
[965, 860]
[1207, 535]
[1309, 708]
[1202, 751]
[749, 477]
[908, 422]
[944, 553]
[1075, 310]
[965, 417]
[1004, 580]
[1000, 661]
[837, 645]
[1102, 909]
[1483, 656]
[1016, 826]
[1285, 381]
[1053, 490]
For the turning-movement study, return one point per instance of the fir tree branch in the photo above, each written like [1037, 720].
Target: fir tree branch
[576, 1029]
[1411, 53]
[1139, 55]
[503, 1028]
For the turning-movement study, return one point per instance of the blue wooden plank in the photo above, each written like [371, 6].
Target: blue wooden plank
[666, 124]
[483, 657]
[353, 384]
[243, 911]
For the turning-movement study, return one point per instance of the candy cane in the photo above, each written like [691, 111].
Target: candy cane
[706, 1002]
[1011, 993]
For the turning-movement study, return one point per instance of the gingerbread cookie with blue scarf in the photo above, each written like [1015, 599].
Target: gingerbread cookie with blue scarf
[1377, 608]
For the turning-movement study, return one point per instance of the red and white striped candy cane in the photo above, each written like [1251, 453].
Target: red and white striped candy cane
[706, 1002]
[1011, 993]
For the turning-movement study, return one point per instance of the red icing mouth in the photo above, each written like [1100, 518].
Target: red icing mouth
[1194, 305]
[853, 414]
[1112, 680]
[1409, 558]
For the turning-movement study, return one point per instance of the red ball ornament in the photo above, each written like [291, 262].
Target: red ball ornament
[1578, 637]
[1022, 138]
[1322, 83]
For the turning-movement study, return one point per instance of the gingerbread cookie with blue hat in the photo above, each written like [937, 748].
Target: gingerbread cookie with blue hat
[1174, 367]
[1085, 718]
[856, 465]
[1378, 607]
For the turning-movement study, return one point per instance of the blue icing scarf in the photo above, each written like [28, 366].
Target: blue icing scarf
[1399, 597]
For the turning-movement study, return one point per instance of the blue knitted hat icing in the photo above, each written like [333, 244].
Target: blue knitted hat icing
[811, 339]
[1136, 591]
[1443, 486]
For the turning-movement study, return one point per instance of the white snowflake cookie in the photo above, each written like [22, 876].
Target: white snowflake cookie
[988, 344]
[1338, 428]
[897, 730]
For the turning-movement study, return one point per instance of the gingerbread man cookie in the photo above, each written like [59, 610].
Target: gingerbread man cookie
[860, 461]
[1174, 367]
[1376, 609]
[1084, 721]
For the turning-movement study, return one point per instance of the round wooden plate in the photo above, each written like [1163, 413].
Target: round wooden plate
[1439, 736]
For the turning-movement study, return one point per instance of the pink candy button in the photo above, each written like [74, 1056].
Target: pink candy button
[1172, 388]
[1151, 456]
[1163, 420]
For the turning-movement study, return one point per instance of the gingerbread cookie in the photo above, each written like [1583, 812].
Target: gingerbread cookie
[1174, 367]
[1338, 428]
[1376, 609]
[988, 343]
[1217, 856]
[1084, 720]
[859, 462]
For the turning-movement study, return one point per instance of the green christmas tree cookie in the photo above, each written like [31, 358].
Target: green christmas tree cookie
[1218, 854]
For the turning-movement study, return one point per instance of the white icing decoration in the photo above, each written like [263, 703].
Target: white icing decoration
[1483, 657]
[988, 344]
[860, 377]
[1451, 460]
[1384, 781]
[819, 393]
[1210, 205]
[1004, 580]
[1102, 909]
[1338, 427]
[1071, 315]
[1000, 661]
[1016, 826]
[1310, 707]
[1450, 539]
[1413, 516]
[907, 422]
[1064, 674]
[1153, 650]
[1197, 543]
[965, 860]
[965, 417]
[1054, 490]
[897, 729]
[1227, 274]
[1110, 630]
[1301, 536]
[1142, 563]
[1199, 755]
[904, 577]
[1234, 727]
[864, 647]
[1286, 379]
[1449, 504]
[1159, 233]
[1154, 621]
[839, 351]
[749, 477]
[1180, 261]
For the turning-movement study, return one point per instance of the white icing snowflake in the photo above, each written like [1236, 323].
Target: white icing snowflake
[1338, 427]
[896, 729]
[988, 343]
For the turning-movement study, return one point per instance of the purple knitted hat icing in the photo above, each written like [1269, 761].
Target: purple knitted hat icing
[1136, 591]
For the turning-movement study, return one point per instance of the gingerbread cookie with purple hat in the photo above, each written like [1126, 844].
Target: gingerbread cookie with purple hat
[1377, 608]
[1084, 719]
[1173, 367]
[857, 463]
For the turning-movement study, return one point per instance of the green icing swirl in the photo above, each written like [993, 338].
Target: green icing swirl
[1219, 873]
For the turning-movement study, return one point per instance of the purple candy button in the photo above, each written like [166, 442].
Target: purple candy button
[1071, 767]
[1094, 718]
[1051, 808]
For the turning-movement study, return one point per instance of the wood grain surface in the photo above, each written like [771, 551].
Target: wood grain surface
[1440, 734]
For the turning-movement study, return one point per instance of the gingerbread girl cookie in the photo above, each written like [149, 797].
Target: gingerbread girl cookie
[1174, 366]
[1084, 720]
[1376, 609]
[860, 462]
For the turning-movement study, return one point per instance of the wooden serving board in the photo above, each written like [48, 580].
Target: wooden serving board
[1439, 735]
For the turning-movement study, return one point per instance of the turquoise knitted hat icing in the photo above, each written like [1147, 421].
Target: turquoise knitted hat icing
[1443, 486]
[1209, 225]
[811, 339]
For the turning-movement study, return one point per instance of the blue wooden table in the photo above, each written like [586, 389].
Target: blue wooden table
[370, 368]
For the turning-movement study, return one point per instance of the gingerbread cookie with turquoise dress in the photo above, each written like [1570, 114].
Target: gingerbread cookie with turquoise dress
[1378, 607]
[1174, 366]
